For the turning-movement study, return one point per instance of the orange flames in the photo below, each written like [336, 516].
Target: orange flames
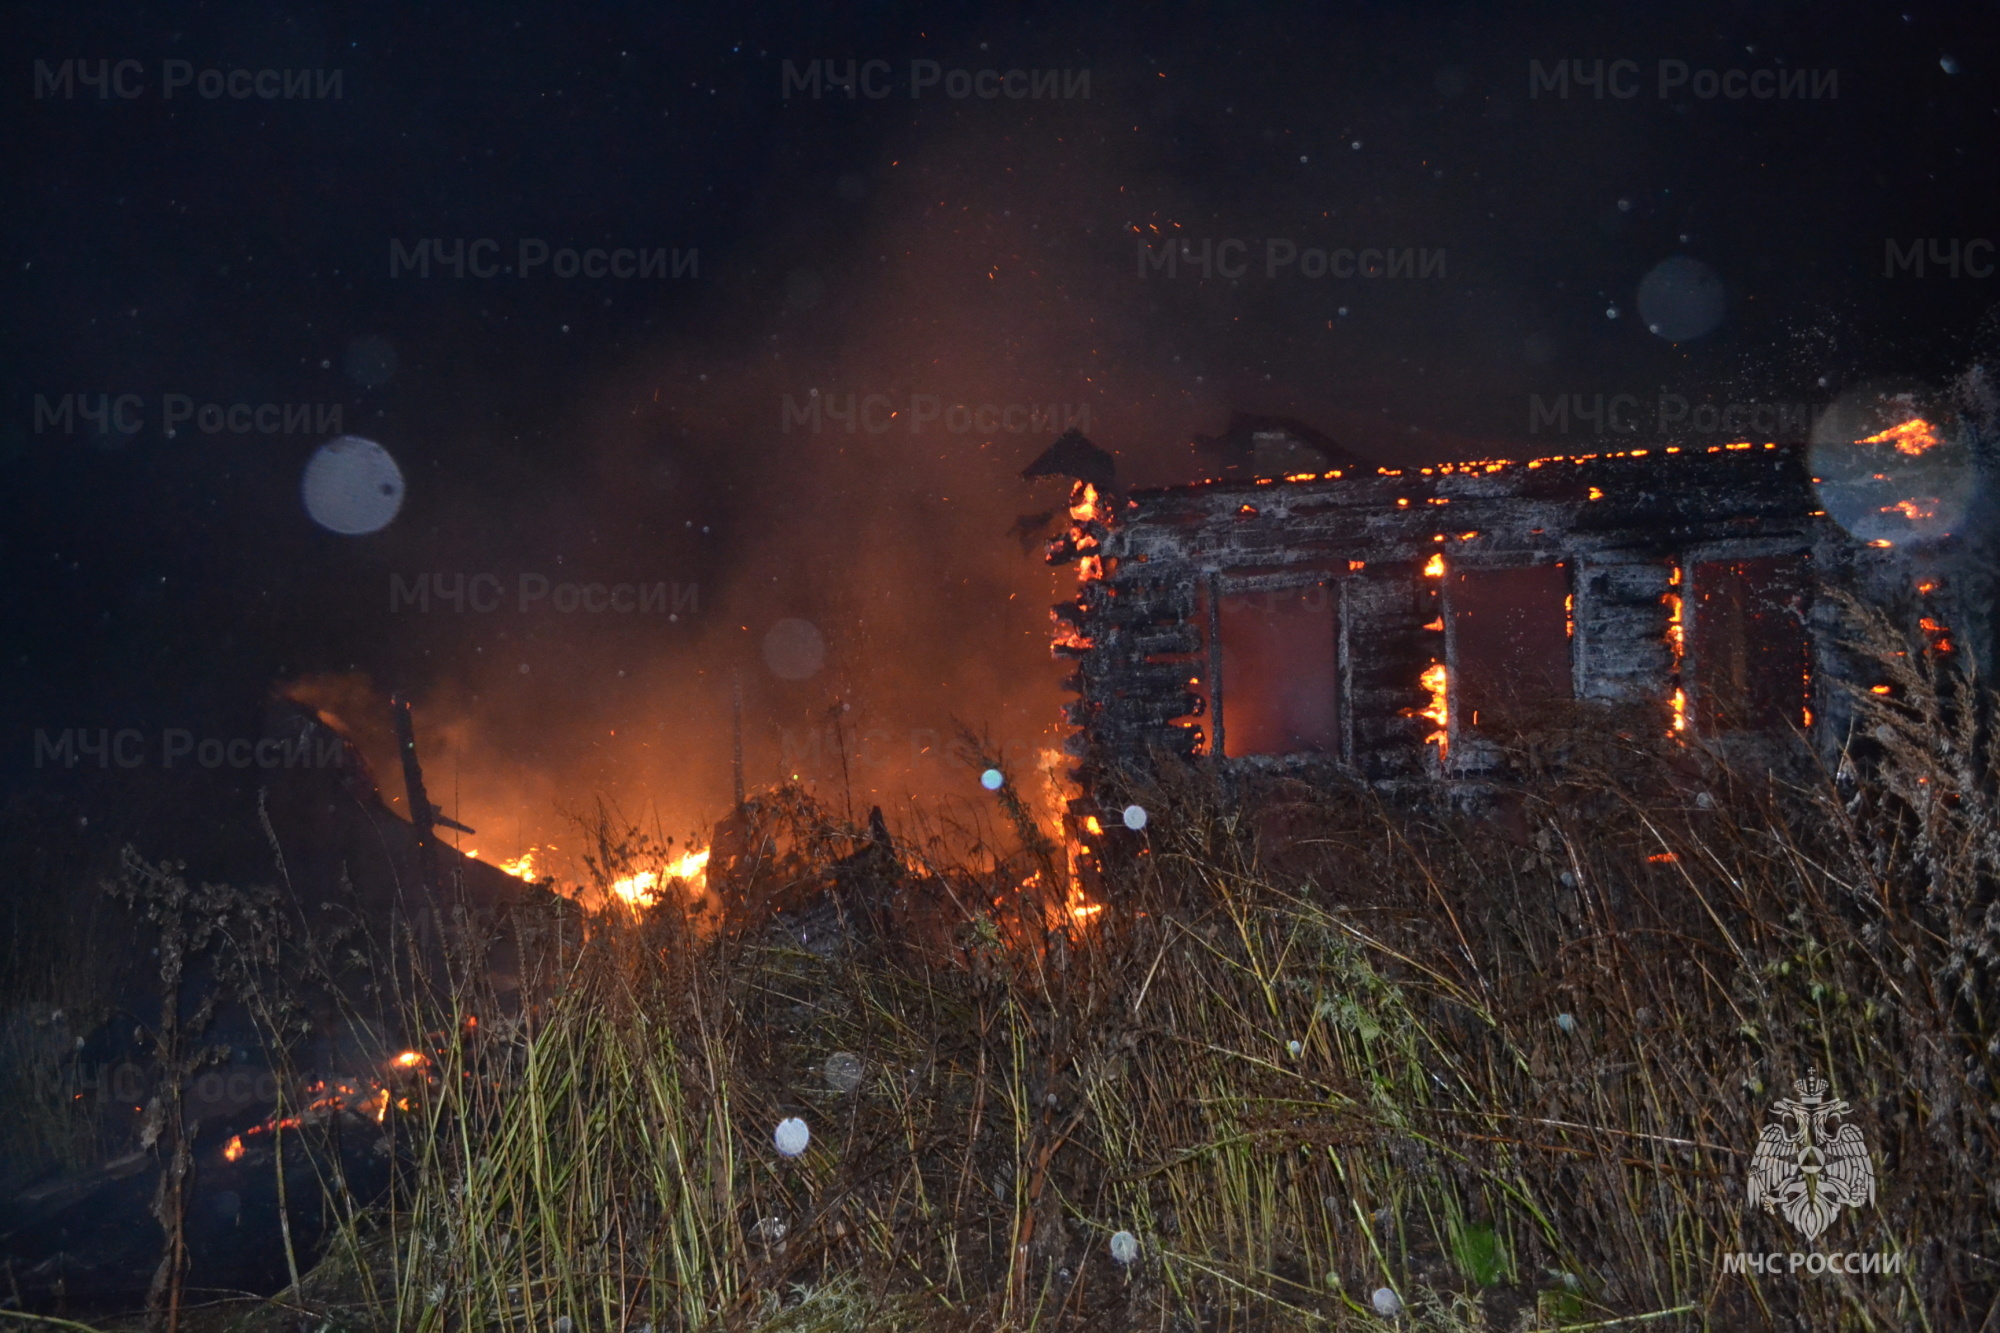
[374, 1102]
[691, 868]
[1434, 679]
[1913, 437]
[634, 891]
[1677, 644]
[1068, 636]
[1913, 509]
[1078, 906]
[1087, 509]
[1077, 911]
[1086, 506]
[522, 866]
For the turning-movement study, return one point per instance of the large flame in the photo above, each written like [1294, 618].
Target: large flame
[690, 867]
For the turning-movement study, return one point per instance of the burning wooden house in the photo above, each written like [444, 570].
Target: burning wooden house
[1393, 624]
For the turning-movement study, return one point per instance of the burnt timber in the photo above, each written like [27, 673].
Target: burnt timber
[1627, 531]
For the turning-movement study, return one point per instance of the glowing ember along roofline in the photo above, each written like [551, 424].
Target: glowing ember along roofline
[1471, 467]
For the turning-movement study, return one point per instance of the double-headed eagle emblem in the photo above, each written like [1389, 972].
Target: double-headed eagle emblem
[1806, 1168]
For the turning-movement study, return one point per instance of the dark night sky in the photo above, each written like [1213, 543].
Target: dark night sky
[237, 250]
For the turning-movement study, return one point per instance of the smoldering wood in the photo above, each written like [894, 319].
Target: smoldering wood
[1618, 524]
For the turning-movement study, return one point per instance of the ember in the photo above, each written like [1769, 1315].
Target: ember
[1937, 632]
[374, 1103]
[1913, 509]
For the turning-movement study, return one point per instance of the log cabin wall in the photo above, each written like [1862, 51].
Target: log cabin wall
[1677, 580]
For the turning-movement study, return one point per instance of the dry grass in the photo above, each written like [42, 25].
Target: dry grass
[1509, 1069]
[1514, 1081]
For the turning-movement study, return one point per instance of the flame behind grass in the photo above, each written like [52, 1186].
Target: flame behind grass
[1516, 1080]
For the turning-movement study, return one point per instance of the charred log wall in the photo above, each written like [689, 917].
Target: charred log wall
[1626, 531]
